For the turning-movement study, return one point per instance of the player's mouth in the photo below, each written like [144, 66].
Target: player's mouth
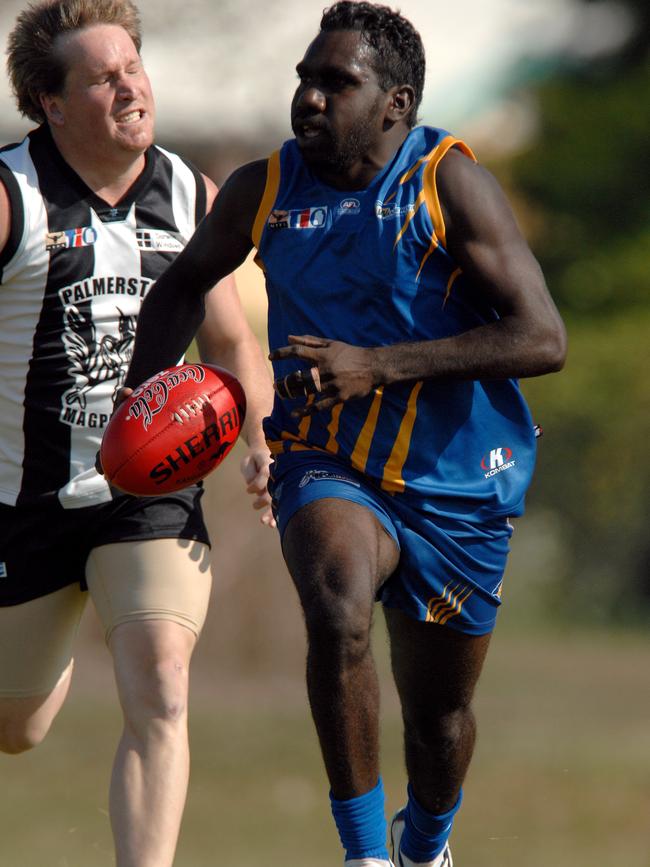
[130, 117]
[308, 131]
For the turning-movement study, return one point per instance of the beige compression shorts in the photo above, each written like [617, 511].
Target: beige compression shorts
[156, 579]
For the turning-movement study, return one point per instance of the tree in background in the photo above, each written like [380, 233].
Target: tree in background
[585, 180]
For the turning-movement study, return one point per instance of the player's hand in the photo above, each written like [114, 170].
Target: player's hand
[121, 395]
[334, 372]
[255, 470]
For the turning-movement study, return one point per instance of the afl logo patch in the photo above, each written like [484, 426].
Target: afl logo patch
[350, 206]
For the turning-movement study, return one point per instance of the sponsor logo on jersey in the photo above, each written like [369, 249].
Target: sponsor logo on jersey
[152, 396]
[389, 212]
[303, 218]
[496, 461]
[158, 240]
[95, 362]
[350, 206]
[325, 475]
[97, 287]
[64, 240]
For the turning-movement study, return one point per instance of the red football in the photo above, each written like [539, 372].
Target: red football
[173, 430]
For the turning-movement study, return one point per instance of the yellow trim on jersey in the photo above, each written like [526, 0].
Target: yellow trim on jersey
[410, 172]
[333, 428]
[392, 479]
[416, 207]
[432, 246]
[450, 283]
[420, 199]
[268, 197]
[429, 183]
[359, 456]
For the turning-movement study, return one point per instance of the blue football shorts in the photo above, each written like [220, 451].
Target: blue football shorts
[450, 571]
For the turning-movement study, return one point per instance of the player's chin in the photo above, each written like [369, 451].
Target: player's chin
[136, 140]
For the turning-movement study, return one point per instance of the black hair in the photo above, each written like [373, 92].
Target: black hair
[399, 53]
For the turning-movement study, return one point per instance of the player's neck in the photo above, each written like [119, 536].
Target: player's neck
[109, 176]
[361, 173]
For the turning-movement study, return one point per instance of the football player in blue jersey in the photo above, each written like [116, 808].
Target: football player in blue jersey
[404, 304]
[88, 200]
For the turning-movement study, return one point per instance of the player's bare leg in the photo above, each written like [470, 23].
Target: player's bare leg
[35, 676]
[338, 553]
[436, 670]
[152, 597]
[24, 722]
[151, 768]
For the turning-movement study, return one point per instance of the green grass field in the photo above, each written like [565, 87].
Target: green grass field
[560, 775]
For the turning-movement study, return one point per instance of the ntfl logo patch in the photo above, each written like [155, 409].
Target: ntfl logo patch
[84, 236]
[303, 218]
[496, 461]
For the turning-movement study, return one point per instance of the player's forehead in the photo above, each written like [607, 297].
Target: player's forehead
[344, 50]
[97, 48]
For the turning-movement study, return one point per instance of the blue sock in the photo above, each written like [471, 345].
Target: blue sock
[425, 835]
[361, 823]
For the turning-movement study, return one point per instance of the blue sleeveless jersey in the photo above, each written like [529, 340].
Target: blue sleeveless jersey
[369, 267]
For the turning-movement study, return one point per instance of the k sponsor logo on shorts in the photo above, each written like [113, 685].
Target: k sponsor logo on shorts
[497, 461]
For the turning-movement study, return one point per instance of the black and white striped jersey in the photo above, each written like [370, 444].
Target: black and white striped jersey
[72, 278]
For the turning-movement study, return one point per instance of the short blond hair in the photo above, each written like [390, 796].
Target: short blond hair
[34, 66]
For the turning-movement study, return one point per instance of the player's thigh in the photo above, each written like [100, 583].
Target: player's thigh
[338, 550]
[155, 579]
[36, 642]
[434, 665]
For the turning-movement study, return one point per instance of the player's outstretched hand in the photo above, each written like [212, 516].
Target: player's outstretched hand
[255, 470]
[338, 372]
[122, 394]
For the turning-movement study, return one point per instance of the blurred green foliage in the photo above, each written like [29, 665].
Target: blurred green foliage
[584, 181]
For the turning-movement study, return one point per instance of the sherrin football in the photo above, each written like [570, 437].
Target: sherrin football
[173, 430]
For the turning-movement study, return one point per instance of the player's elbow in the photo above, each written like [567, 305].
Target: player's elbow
[551, 347]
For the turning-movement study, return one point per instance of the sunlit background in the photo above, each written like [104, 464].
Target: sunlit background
[553, 97]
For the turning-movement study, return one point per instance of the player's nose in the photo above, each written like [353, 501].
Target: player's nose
[311, 99]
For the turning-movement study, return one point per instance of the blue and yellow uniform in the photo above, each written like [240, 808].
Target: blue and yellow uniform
[448, 460]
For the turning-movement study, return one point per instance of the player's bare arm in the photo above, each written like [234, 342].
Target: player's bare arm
[225, 338]
[5, 217]
[175, 307]
[483, 237]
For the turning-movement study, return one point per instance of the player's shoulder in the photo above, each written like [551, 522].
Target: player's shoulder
[242, 192]
[250, 177]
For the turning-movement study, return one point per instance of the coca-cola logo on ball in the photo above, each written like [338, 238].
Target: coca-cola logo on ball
[152, 396]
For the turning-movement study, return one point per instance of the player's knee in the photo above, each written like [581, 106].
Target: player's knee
[340, 625]
[19, 736]
[444, 731]
[156, 702]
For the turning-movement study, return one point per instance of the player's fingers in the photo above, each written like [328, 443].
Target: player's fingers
[319, 406]
[300, 383]
[121, 395]
[296, 350]
[309, 340]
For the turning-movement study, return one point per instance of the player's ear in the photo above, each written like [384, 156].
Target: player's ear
[51, 105]
[400, 103]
